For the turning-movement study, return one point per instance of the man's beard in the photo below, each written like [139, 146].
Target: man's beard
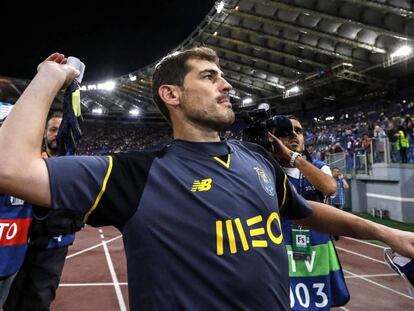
[206, 119]
[51, 145]
[199, 118]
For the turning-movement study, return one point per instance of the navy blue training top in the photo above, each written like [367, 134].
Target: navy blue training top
[200, 222]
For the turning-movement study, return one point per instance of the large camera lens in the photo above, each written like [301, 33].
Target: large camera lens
[281, 125]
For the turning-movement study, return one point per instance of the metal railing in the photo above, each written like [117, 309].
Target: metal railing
[381, 150]
[337, 160]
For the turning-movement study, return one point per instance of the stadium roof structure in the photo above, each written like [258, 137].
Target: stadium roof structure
[291, 54]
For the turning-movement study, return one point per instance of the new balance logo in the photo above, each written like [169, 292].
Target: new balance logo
[203, 185]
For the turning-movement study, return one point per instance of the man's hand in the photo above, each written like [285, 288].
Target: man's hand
[280, 151]
[401, 242]
[56, 62]
[20, 137]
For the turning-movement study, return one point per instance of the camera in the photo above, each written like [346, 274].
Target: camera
[259, 122]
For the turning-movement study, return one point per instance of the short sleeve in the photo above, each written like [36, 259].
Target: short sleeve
[327, 170]
[76, 181]
[104, 190]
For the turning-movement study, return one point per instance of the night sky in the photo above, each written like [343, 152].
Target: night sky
[112, 40]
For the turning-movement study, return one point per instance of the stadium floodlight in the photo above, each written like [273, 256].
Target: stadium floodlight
[83, 88]
[132, 77]
[134, 112]
[402, 51]
[247, 100]
[233, 94]
[107, 86]
[91, 87]
[264, 106]
[220, 6]
[97, 110]
[293, 90]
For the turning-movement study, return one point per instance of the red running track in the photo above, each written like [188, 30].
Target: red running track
[94, 277]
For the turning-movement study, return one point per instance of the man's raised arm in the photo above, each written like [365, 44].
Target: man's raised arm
[23, 173]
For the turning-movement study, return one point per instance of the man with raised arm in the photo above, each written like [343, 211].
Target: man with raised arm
[200, 218]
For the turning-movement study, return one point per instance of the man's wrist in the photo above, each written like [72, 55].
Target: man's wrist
[293, 158]
[50, 72]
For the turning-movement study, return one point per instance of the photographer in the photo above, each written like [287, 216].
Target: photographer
[313, 181]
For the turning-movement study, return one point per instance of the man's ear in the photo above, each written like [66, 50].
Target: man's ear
[169, 94]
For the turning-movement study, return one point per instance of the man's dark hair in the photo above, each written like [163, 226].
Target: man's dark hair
[173, 68]
[55, 114]
[291, 116]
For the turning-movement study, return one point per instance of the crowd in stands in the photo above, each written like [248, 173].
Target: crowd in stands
[103, 138]
[371, 130]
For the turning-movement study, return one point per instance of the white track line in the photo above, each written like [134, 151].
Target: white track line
[92, 247]
[364, 242]
[372, 275]
[389, 197]
[91, 284]
[360, 255]
[378, 284]
[343, 308]
[118, 291]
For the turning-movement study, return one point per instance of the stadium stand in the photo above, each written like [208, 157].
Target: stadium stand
[104, 138]
[331, 63]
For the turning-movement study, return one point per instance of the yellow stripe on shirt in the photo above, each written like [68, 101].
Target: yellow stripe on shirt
[284, 192]
[98, 198]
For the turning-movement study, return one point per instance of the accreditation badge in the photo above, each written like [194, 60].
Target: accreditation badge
[301, 244]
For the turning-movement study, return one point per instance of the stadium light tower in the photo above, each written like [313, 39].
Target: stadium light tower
[264, 106]
[107, 86]
[402, 51]
[220, 6]
[247, 100]
[97, 111]
[134, 112]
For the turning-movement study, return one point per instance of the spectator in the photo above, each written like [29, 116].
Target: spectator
[393, 139]
[15, 214]
[379, 140]
[338, 200]
[403, 143]
[337, 148]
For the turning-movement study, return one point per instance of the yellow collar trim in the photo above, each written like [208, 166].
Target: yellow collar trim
[225, 164]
